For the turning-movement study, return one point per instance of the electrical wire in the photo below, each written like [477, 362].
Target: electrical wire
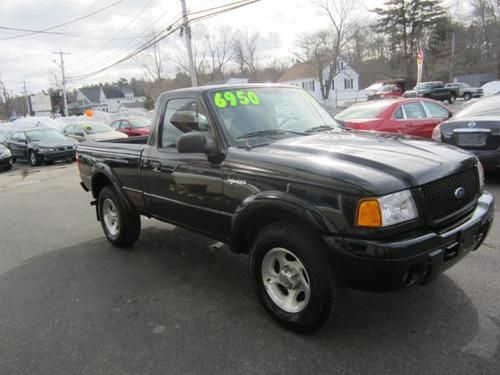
[65, 23]
[166, 32]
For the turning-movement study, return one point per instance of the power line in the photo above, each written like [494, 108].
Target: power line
[168, 31]
[65, 23]
[33, 31]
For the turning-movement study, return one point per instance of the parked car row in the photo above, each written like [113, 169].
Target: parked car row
[37, 143]
[436, 90]
[475, 128]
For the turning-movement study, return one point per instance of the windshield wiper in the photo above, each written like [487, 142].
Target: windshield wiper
[263, 133]
[321, 128]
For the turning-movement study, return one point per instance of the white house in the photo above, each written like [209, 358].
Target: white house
[345, 84]
[108, 98]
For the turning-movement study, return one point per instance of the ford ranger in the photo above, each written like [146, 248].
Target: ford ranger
[265, 169]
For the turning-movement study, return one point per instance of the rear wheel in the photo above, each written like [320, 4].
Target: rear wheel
[121, 227]
[452, 99]
[467, 96]
[292, 276]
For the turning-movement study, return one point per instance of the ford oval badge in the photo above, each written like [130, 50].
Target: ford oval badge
[460, 193]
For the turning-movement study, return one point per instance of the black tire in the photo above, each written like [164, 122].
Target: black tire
[452, 99]
[306, 246]
[467, 96]
[13, 160]
[33, 159]
[129, 223]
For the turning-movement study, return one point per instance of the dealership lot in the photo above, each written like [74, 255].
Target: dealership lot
[70, 303]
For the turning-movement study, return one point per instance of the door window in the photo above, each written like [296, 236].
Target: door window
[414, 111]
[124, 124]
[436, 110]
[182, 116]
[398, 115]
[115, 124]
[19, 137]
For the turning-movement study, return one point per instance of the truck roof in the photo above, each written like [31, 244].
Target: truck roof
[200, 89]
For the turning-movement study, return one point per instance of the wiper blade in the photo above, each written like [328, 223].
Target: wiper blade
[321, 128]
[263, 133]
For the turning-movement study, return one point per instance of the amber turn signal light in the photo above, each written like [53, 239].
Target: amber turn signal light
[368, 214]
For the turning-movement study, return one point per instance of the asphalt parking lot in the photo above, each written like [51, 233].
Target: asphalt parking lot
[72, 304]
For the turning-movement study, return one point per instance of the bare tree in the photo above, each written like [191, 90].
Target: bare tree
[218, 52]
[5, 98]
[244, 49]
[152, 61]
[487, 18]
[323, 49]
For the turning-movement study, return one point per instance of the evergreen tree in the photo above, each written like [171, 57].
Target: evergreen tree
[408, 24]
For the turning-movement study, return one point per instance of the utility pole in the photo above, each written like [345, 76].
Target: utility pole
[187, 35]
[61, 54]
[28, 112]
[452, 62]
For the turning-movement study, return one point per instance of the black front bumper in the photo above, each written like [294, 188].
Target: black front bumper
[5, 163]
[389, 265]
[57, 155]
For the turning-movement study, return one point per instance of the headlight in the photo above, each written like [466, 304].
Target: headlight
[5, 154]
[43, 150]
[436, 134]
[387, 210]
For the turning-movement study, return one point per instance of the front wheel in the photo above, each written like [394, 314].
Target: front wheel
[33, 159]
[292, 276]
[452, 99]
[121, 227]
[467, 96]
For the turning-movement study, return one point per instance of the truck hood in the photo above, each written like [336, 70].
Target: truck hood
[363, 162]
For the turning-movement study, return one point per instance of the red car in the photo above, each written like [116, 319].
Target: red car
[415, 116]
[132, 126]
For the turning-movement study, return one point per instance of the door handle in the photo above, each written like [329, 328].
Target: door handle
[156, 165]
[410, 124]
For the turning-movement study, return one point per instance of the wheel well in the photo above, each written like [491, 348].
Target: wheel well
[99, 181]
[252, 224]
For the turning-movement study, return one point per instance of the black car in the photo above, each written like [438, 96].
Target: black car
[5, 158]
[477, 129]
[40, 145]
[433, 90]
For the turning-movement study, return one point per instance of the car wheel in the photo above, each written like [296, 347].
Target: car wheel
[121, 227]
[292, 276]
[452, 99]
[467, 96]
[33, 159]
[13, 160]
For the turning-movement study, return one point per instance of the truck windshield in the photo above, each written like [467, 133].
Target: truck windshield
[270, 113]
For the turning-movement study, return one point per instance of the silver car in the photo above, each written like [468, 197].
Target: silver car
[92, 131]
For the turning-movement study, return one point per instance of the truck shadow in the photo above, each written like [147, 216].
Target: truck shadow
[173, 303]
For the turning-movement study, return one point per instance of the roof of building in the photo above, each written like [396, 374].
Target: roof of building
[92, 93]
[298, 71]
[113, 92]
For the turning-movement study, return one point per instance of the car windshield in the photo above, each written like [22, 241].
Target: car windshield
[270, 113]
[139, 122]
[422, 86]
[43, 135]
[95, 128]
[388, 88]
[489, 106]
[363, 111]
[374, 87]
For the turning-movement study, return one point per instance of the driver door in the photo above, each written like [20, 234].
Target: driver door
[18, 145]
[184, 188]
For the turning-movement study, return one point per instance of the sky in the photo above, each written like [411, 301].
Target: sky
[105, 37]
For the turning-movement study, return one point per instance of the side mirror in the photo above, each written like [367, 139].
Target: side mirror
[197, 143]
[79, 134]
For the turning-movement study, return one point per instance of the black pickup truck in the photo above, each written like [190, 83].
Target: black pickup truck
[433, 90]
[265, 169]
